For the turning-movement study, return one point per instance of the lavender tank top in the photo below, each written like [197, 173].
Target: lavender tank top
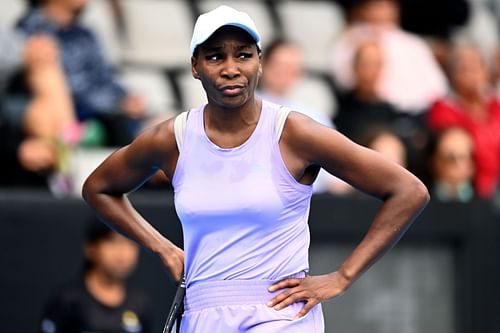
[243, 215]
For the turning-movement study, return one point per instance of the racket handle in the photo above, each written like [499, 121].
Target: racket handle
[175, 309]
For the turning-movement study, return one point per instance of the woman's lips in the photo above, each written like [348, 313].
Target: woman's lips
[232, 90]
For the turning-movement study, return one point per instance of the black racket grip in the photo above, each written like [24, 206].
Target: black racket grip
[175, 309]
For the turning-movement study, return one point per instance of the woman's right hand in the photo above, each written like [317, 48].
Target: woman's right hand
[173, 259]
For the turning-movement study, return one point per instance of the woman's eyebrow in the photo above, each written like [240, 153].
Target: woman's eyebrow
[220, 48]
[244, 46]
[213, 49]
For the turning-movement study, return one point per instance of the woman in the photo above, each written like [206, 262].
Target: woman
[242, 172]
[474, 108]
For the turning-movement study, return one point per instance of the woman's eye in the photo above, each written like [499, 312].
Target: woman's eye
[213, 57]
[244, 55]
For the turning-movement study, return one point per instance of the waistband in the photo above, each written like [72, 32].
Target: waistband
[230, 292]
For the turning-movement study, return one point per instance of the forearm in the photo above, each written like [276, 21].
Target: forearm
[117, 211]
[389, 225]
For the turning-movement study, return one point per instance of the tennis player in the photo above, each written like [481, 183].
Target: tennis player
[242, 170]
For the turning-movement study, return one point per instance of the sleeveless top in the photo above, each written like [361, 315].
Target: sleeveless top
[243, 215]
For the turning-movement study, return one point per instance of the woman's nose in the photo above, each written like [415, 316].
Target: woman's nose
[230, 69]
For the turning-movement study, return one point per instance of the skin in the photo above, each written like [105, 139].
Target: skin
[282, 70]
[51, 110]
[367, 68]
[470, 80]
[231, 59]
[457, 170]
[36, 155]
[66, 12]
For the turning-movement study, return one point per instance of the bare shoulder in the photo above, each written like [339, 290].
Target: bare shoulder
[159, 139]
[300, 126]
[307, 137]
[298, 123]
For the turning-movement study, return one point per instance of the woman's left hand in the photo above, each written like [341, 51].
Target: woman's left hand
[311, 290]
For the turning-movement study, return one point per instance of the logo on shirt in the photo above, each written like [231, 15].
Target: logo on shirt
[130, 322]
[48, 326]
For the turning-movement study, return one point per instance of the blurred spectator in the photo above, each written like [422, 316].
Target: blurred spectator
[100, 300]
[362, 107]
[96, 94]
[451, 165]
[436, 21]
[24, 161]
[282, 71]
[476, 109]
[411, 78]
[37, 57]
[481, 28]
[384, 141]
[28, 127]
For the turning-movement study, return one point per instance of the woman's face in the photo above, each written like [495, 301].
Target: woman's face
[453, 160]
[282, 70]
[367, 67]
[468, 72]
[228, 66]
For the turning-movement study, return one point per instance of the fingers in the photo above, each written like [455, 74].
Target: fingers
[299, 290]
[285, 299]
[290, 297]
[286, 283]
[307, 307]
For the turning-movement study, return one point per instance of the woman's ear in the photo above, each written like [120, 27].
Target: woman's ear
[259, 73]
[89, 252]
[194, 71]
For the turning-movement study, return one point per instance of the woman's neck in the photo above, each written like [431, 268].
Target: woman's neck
[232, 119]
[367, 95]
[229, 128]
[475, 104]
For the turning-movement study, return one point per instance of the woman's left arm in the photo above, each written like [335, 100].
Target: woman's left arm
[304, 143]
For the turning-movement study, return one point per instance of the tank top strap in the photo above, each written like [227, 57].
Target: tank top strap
[281, 117]
[180, 127]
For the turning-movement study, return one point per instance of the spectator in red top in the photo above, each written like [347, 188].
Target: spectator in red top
[473, 107]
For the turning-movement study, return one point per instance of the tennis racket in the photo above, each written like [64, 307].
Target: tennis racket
[175, 313]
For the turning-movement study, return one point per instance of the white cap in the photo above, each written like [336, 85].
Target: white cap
[208, 23]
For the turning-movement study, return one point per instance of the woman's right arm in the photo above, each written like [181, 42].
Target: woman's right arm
[128, 168]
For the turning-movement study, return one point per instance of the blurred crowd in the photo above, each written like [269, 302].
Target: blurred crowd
[416, 80]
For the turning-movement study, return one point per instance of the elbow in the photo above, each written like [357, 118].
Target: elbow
[86, 190]
[419, 194]
[89, 189]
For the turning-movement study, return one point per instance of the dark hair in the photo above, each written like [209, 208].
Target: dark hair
[271, 48]
[96, 231]
[35, 3]
[372, 133]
